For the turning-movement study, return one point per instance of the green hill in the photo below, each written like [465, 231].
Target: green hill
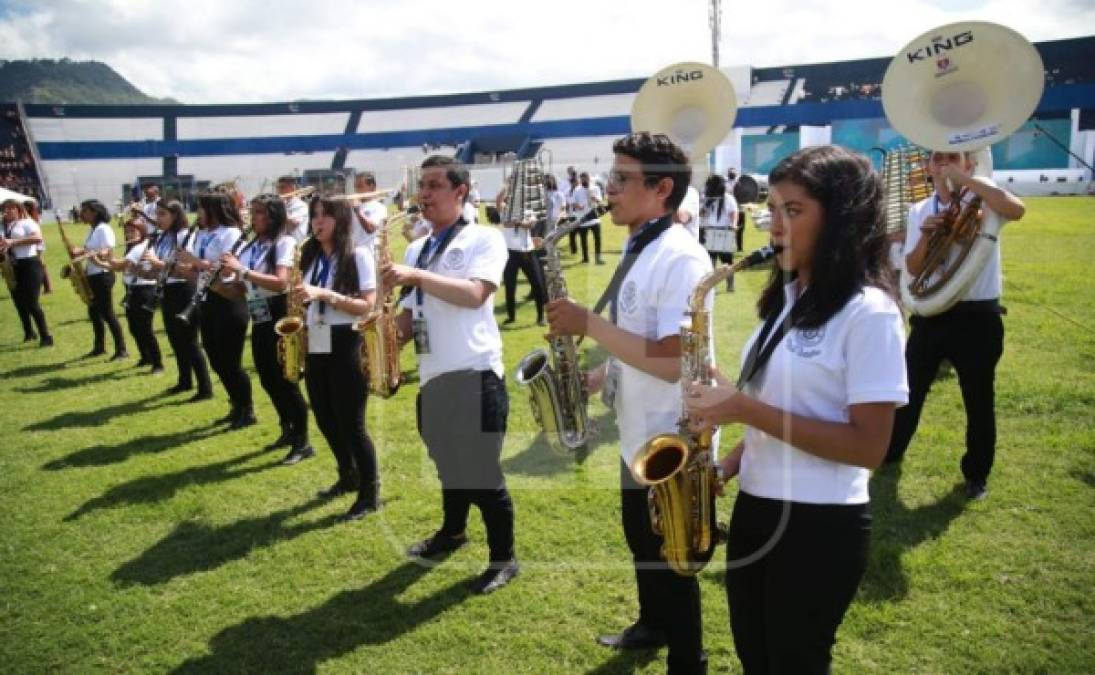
[66, 81]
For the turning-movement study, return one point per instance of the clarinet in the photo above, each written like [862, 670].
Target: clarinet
[165, 272]
[205, 282]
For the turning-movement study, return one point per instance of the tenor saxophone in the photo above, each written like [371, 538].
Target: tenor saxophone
[557, 393]
[680, 468]
[379, 334]
[75, 271]
[290, 329]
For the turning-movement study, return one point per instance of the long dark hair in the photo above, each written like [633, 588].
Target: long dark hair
[851, 249]
[276, 218]
[220, 208]
[714, 194]
[97, 208]
[179, 221]
[345, 280]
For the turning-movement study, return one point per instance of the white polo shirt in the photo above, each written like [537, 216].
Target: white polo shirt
[470, 213]
[556, 203]
[988, 285]
[366, 281]
[856, 357]
[24, 227]
[101, 236]
[517, 238]
[461, 338]
[374, 211]
[217, 241]
[712, 217]
[653, 303]
[297, 212]
[133, 257]
[253, 256]
[691, 204]
[578, 200]
[167, 245]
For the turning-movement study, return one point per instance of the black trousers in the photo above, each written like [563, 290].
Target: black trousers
[101, 311]
[285, 395]
[462, 419]
[740, 234]
[184, 338]
[140, 323]
[529, 263]
[583, 234]
[971, 337]
[338, 392]
[224, 330]
[787, 603]
[28, 288]
[667, 601]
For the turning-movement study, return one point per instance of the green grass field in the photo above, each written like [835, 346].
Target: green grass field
[136, 537]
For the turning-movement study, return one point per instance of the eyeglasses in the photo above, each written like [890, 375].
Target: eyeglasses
[619, 178]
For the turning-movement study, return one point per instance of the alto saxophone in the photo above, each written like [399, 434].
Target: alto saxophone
[290, 329]
[379, 335]
[556, 391]
[680, 468]
[75, 271]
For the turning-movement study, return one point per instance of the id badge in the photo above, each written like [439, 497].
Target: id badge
[259, 309]
[611, 384]
[421, 336]
[319, 339]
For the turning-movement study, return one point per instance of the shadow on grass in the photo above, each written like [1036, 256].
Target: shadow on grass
[539, 459]
[370, 615]
[625, 662]
[98, 416]
[55, 383]
[102, 455]
[194, 547]
[151, 489]
[897, 529]
[31, 371]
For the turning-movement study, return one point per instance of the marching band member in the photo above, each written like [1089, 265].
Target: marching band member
[224, 316]
[970, 335]
[649, 296]
[731, 181]
[583, 199]
[555, 201]
[101, 279]
[148, 206]
[262, 271]
[20, 240]
[339, 282]
[176, 234]
[719, 212]
[462, 405]
[369, 214]
[296, 209]
[820, 382]
[35, 214]
[519, 246]
[138, 293]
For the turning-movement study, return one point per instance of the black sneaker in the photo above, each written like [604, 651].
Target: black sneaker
[200, 396]
[495, 576]
[30, 337]
[436, 546]
[178, 389]
[94, 352]
[285, 439]
[243, 420]
[156, 370]
[297, 455]
[361, 508]
[47, 341]
[636, 636]
[336, 490]
[975, 491]
[119, 356]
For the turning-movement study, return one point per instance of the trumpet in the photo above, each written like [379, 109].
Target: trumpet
[363, 196]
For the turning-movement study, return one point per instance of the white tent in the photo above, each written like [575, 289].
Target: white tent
[6, 194]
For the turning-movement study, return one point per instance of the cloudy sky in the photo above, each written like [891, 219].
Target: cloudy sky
[201, 51]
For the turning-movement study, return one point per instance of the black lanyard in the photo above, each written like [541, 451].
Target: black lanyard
[425, 260]
[762, 348]
[643, 238]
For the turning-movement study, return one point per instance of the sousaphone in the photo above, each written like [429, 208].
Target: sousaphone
[960, 88]
[692, 103]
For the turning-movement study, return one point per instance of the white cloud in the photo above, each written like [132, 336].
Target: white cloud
[201, 51]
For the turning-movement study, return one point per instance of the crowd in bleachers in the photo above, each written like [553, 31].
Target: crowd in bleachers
[17, 168]
[850, 91]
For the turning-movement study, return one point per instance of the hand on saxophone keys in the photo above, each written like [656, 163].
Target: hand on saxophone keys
[395, 275]
[566, 317]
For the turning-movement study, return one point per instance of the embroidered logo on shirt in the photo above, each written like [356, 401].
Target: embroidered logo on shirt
[629, 297]
[806, 342]
[454, 259]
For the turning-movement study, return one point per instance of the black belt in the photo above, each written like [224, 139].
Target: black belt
[971, 307]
